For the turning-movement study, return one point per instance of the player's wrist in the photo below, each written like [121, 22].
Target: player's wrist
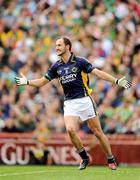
[116, 81]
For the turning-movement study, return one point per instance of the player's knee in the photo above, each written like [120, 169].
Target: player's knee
[98, 133]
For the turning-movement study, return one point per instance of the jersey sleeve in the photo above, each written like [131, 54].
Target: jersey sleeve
[52, 73]
[86, 65]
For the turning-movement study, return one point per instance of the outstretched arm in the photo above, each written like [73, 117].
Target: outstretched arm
[36, 82]
[103, 75]
[123, 82]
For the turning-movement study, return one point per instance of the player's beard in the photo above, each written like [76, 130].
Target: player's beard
[62, 53]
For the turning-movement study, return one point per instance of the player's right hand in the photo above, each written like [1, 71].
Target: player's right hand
[21, 80]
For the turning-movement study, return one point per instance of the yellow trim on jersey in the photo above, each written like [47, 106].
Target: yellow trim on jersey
[85, 81]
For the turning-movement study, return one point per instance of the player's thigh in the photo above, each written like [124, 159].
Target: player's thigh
[72, 122]
[94, 124]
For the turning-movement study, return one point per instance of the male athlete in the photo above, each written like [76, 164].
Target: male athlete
[72, 72]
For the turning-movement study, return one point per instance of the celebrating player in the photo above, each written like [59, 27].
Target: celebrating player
[72, 72]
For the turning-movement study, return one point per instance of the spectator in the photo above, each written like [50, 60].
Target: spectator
[10, 126]
[26, 123]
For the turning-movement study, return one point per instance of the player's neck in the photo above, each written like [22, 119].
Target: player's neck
[66, 57]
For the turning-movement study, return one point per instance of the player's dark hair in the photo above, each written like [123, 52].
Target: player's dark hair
[66, 41]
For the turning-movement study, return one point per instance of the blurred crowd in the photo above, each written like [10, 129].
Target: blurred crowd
[107, 33]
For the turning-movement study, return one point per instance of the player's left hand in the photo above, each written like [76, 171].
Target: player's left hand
[123, 82]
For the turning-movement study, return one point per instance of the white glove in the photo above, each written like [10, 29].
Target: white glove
[21, 80]
[123, 82]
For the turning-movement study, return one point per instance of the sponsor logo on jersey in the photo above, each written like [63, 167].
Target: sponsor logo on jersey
[68, 78]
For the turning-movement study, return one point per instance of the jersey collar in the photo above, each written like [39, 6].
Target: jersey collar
[71, 59]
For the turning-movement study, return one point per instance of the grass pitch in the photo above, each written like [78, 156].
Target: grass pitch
[67, 173]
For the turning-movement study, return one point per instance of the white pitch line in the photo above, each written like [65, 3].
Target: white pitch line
[27, 173]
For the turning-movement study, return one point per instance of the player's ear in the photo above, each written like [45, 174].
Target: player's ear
[68, 47]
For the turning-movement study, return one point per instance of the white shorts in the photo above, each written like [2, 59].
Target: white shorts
[81, 107]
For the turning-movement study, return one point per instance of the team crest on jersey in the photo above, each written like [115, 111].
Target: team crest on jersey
[74, 69]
